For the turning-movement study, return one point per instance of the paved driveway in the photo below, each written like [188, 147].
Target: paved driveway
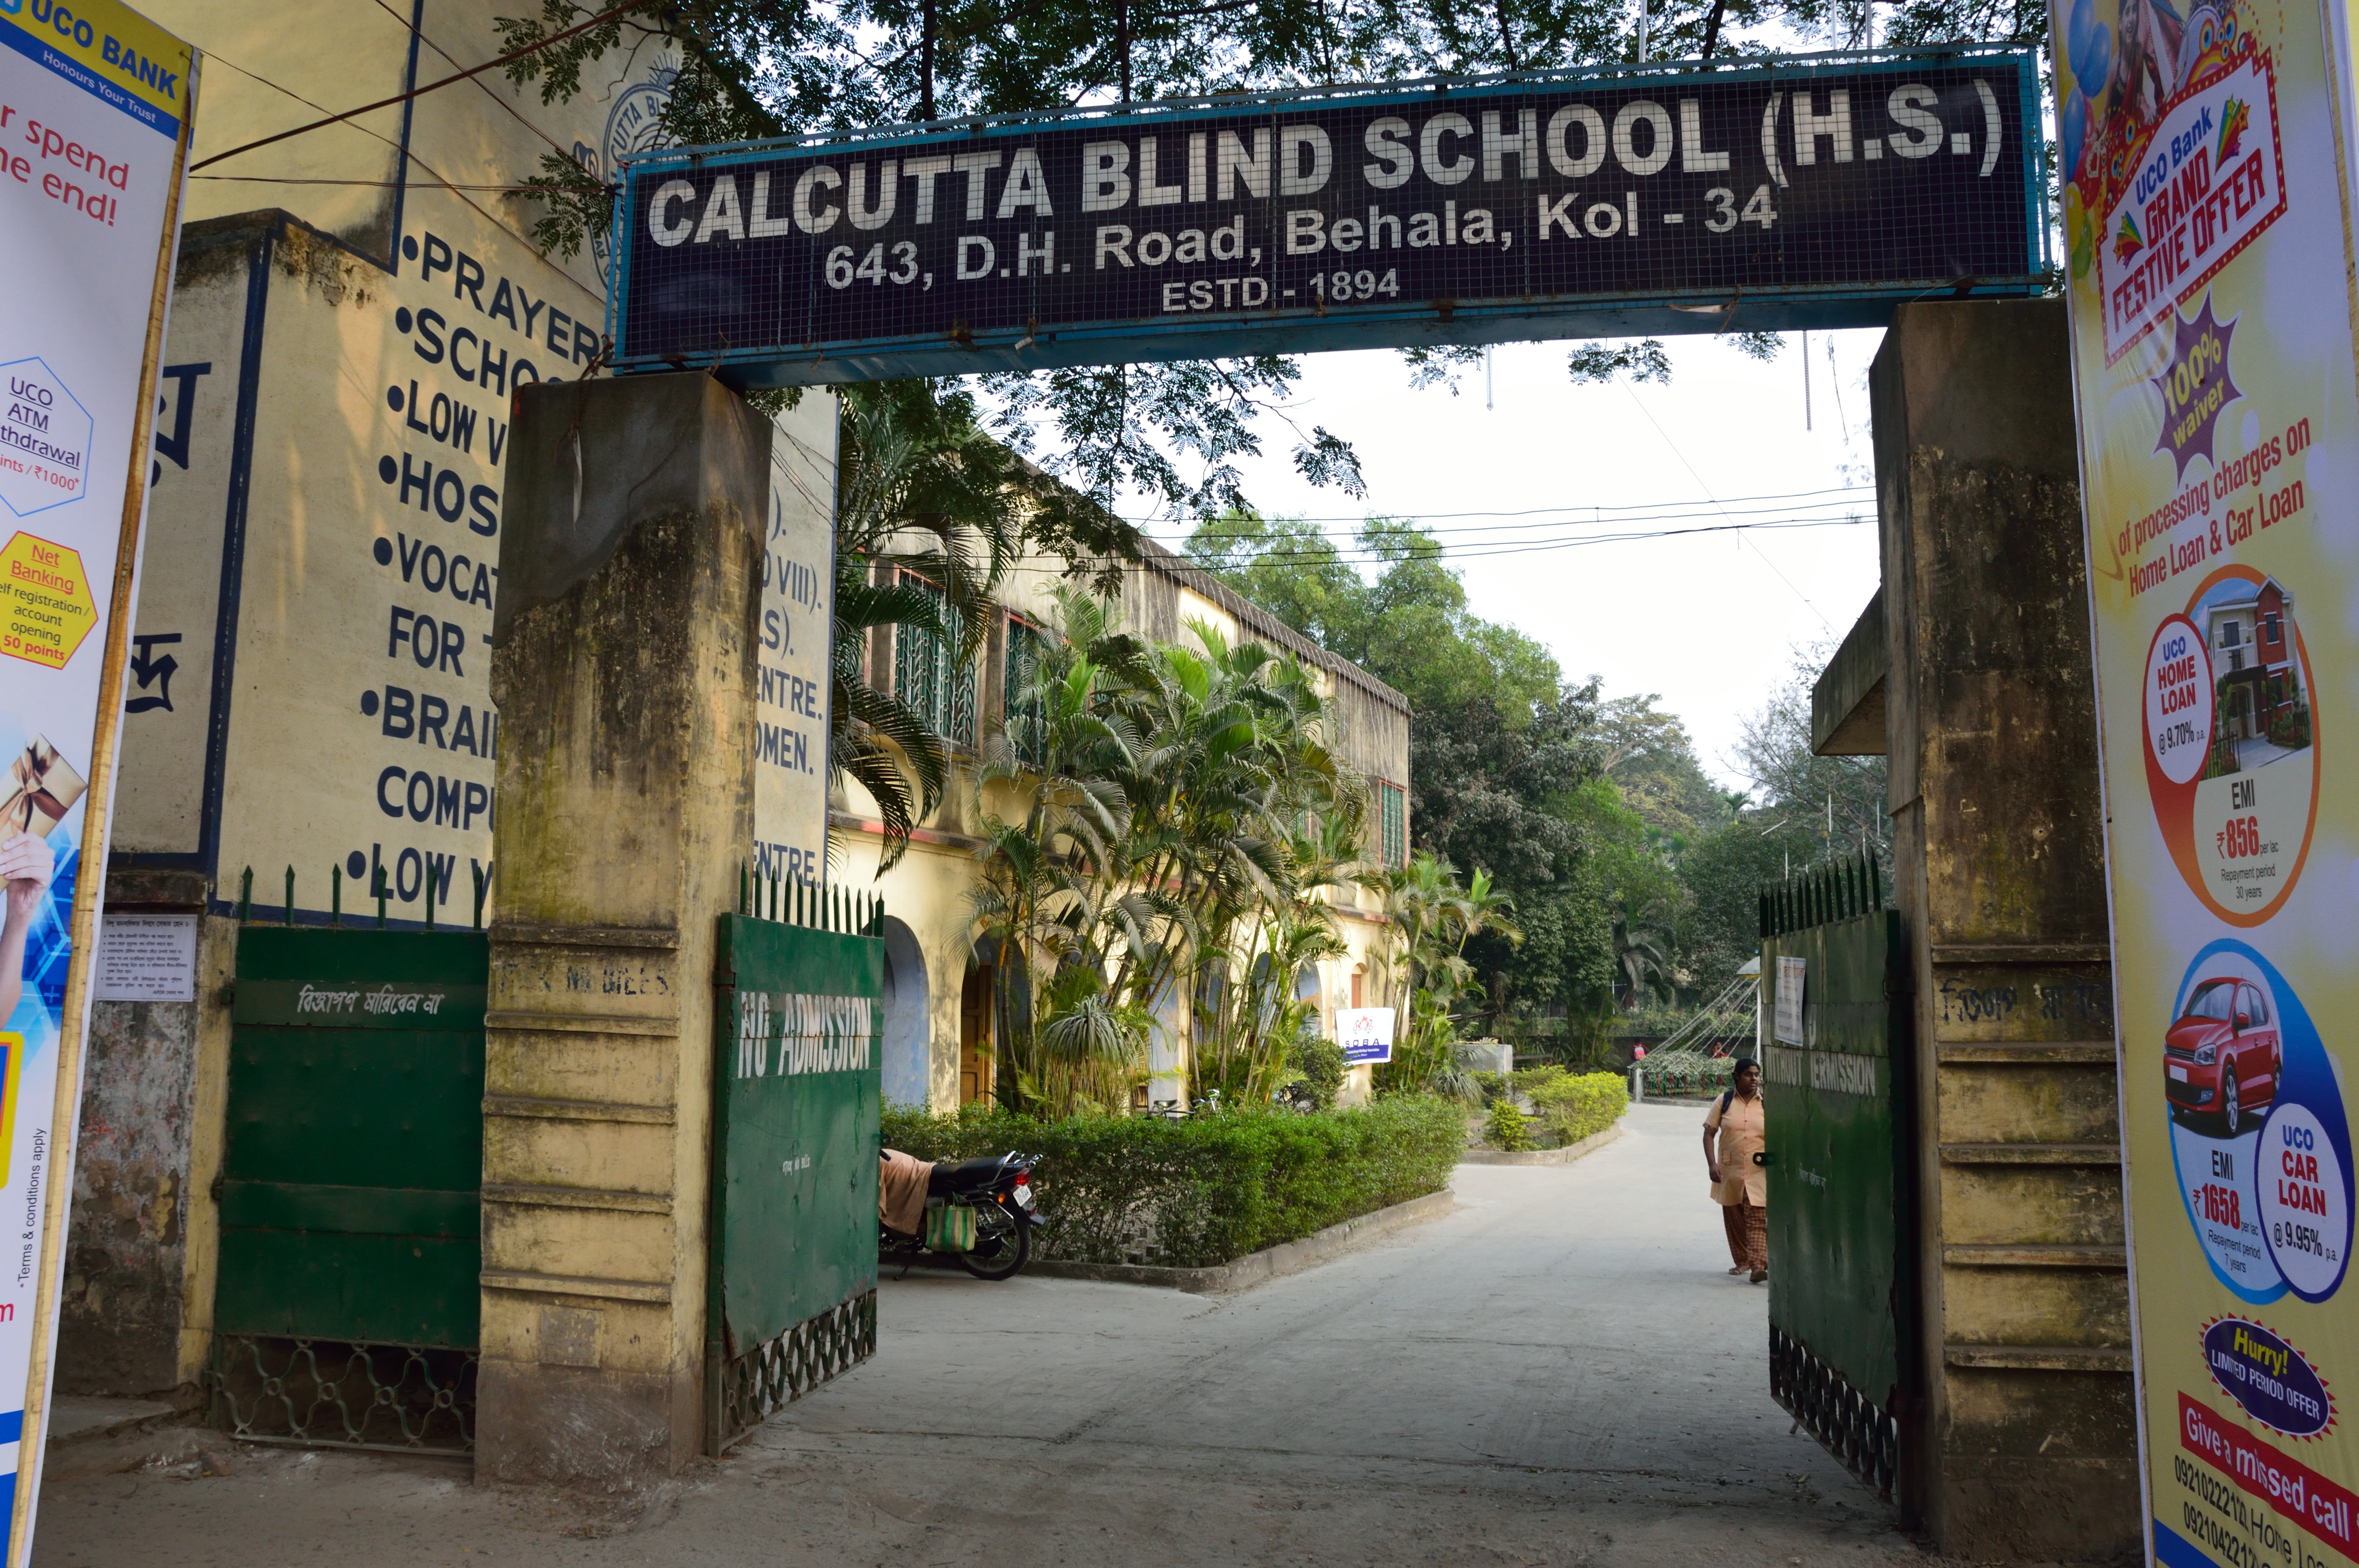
[1558, 1372]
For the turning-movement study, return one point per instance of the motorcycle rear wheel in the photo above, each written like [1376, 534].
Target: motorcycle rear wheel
[1003, 1242]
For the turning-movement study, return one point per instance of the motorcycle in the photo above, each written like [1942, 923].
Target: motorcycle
[998, 1188]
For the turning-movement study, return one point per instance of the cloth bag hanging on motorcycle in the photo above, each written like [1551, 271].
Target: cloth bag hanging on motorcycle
[950, 1228]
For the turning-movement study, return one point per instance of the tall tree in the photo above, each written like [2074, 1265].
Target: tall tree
[1801, 810]
[920, 486]
[1499, 744]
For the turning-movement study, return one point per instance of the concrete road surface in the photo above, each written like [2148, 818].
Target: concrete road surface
[1558, 1372]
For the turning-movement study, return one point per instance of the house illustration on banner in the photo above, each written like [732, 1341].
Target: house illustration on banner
[2258, 679]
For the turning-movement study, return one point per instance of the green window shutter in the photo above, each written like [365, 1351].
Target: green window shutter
[1021, 711]
[924, 677]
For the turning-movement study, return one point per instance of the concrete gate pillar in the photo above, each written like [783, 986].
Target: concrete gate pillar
[623, 673]
[1971, 672]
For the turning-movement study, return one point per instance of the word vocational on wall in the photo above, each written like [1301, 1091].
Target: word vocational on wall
[1812, 192]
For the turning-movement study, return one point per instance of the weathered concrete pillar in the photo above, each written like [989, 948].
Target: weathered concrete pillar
[624, 671]
[2025, 1443]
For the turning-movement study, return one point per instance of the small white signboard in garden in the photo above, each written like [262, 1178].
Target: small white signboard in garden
[1365, 1033]
[1790, 975]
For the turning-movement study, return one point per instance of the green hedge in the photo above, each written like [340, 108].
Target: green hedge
[1688, 1076]
[1581, 1105]
[1209, 1188]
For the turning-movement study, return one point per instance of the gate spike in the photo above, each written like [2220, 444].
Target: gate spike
[246, 896]
[290, 895]
[742, 907]
[476, 872]
[335, 893]
[430, 897]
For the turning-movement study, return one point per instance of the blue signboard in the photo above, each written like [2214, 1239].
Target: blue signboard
[1817, 191]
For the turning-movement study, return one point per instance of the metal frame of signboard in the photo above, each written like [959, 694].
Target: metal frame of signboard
[1304, 330]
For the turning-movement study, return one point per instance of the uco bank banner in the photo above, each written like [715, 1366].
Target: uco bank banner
[94, 102]
[2212, 348]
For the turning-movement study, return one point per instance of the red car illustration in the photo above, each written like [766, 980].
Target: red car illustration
[2222, 1057]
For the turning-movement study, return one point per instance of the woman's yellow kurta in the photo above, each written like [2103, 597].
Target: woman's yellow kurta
[1742, 1134]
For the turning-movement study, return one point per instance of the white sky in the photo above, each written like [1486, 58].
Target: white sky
[1709, 621]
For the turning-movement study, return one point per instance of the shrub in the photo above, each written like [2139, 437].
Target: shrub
[1209, 1188]
[1316, 1068]
[1685, 1076]
[1506, 1128]
[1529, 1081]
[1579, 1106]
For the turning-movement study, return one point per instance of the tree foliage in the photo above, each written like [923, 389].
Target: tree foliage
[920, 486]
[1158, 820]
[1801, 810]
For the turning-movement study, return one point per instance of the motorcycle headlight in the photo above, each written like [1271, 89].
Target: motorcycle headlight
[2206, 1054]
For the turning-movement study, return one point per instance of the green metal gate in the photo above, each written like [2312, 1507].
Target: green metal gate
[1835, 979]
[797, 1094]
[346, 1305]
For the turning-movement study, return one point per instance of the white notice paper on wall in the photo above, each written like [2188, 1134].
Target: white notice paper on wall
[147, 958]
[1792, 974]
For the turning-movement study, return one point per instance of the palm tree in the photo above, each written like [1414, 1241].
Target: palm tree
[1432, 918]
[1642, 954]
[931, 514]
[1167, 797]
[1043, 902]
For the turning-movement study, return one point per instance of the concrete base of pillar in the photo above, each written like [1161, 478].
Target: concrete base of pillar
[2046, 1510]
[617, 1432]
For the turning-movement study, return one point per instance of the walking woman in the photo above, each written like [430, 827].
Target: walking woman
[1738, 1185]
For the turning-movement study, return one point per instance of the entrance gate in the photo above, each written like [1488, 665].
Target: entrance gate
[1834, 978]
[346, 1309]
[347, 1305]
[797, 1082]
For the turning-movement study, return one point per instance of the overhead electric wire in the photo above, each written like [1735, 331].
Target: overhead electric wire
[434, 179]
[1633, 507]
[1757, 550]
[431, 86]
[1208, 534]
[1479, 551]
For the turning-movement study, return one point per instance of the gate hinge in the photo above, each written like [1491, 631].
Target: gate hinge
[221, 1181]
[227, 995]
[724, 980]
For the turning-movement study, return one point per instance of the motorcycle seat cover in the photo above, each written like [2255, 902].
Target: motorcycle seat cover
[966, 1175]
